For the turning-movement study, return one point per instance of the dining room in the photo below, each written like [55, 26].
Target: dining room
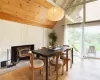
[49, 40]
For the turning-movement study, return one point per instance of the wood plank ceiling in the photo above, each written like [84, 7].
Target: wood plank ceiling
[26, 11]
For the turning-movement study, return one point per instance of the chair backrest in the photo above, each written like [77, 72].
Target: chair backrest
[91, 49]
[31, 58]
[69, 53]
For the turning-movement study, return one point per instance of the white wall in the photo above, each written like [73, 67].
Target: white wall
[59, 29]
[12, 34]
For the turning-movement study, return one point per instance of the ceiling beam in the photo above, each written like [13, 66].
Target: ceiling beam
[64, 3]
[80, 3]
[68, 4]
[55, 1]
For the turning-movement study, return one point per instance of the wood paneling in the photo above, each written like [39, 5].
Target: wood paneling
[26, 11]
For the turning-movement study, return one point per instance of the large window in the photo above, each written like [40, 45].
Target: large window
[85, 36]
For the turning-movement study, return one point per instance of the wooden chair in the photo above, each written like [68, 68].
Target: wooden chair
[35, 64]
[66, 57]
[60, 61]
[53, 62]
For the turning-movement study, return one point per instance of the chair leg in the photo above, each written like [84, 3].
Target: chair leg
[62, 69]
[43, 74]
[55, 68]
[32, 75]
[66, 61]
[49, 66]
[49, 69]
[40, 71]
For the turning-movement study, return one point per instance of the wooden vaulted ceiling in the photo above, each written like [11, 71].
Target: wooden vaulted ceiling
[26, 11]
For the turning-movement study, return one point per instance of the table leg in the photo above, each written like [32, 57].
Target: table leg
[31, 63]
[46, 68]
[57, 66]
[32, 74]
[66, 60]
[72, 55]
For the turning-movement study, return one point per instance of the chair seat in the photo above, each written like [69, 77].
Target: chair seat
[53, 61]
[38, 63]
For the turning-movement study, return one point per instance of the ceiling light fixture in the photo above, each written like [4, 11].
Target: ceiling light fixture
[55, 14]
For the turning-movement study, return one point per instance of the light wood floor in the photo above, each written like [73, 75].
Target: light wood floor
[25, 74]
[82, 70]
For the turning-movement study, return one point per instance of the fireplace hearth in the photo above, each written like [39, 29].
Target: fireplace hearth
[18, 51]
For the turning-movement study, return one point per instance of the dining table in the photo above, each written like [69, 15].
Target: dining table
[47, 53]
